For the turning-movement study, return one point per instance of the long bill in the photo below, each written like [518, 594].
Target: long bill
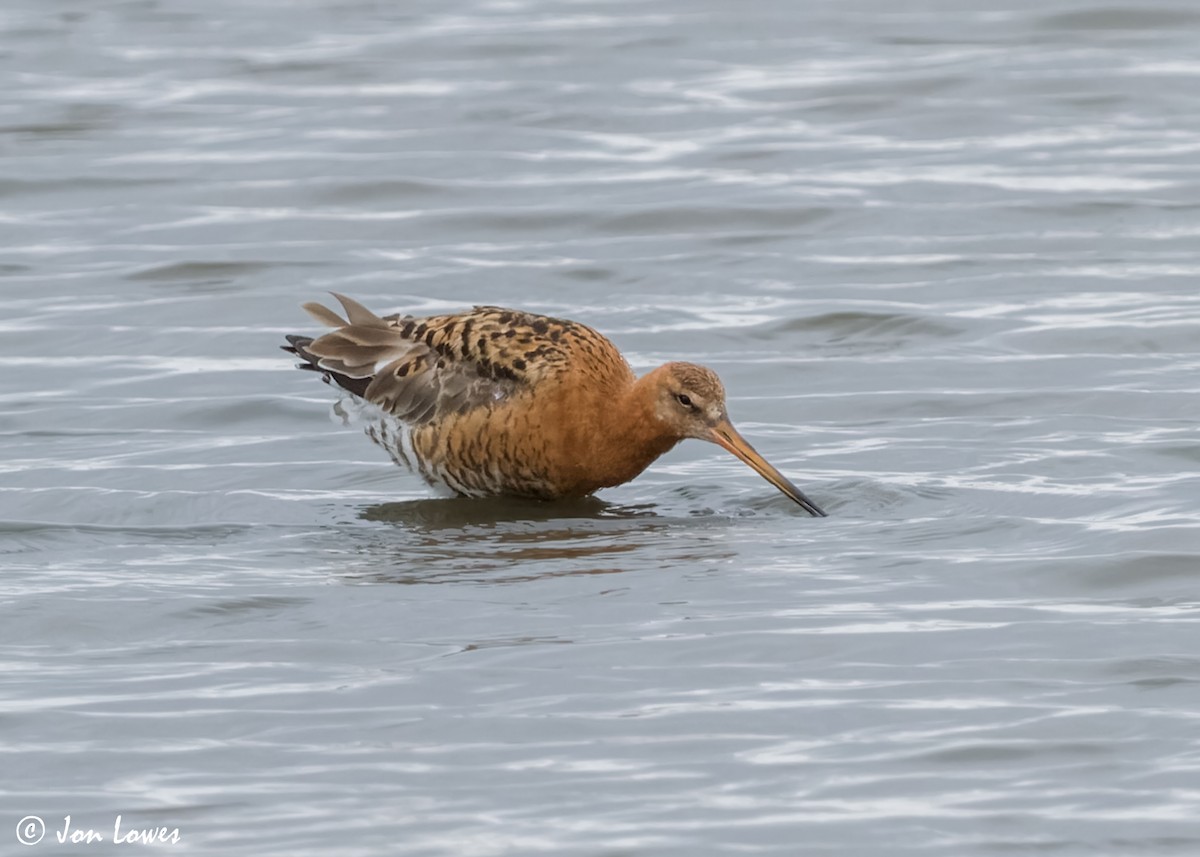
[724, 434]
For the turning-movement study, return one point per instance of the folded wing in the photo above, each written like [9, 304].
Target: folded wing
[423, 370]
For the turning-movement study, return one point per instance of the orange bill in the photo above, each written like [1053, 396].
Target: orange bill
[726, 435]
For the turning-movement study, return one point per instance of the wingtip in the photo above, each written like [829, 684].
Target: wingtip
[324, 314]
[357, 313]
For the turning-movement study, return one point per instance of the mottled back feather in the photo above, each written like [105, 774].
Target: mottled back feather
[421, 370]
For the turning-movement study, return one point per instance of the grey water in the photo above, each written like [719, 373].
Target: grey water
[946, 257]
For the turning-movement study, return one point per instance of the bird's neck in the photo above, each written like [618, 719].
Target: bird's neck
[630, 436]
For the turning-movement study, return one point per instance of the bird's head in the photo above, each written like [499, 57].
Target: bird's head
[689, 401]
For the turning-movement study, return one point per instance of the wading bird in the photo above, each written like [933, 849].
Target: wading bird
[502, 402]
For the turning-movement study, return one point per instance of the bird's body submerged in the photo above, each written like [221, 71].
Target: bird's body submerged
[497, 401]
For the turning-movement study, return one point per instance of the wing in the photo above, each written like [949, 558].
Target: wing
[421, 370]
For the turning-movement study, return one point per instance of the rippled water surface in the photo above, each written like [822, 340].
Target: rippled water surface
[945, 256]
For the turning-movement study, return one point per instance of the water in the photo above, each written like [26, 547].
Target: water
[943, 255]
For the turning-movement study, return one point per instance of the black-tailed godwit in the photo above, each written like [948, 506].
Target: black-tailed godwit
[503, 402]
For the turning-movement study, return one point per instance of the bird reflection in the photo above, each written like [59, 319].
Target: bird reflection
[458, 513]
[506, 540]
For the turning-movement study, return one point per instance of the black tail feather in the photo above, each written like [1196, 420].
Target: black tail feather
[298, 345]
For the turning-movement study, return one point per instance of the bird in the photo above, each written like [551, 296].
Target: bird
[502, 402]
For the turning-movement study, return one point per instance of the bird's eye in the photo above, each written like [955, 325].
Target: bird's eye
[684, 399]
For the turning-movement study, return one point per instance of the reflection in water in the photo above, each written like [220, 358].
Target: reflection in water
[439, 514]
[506, 540]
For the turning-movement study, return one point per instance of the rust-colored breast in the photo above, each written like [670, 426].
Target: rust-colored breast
[554, 379]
